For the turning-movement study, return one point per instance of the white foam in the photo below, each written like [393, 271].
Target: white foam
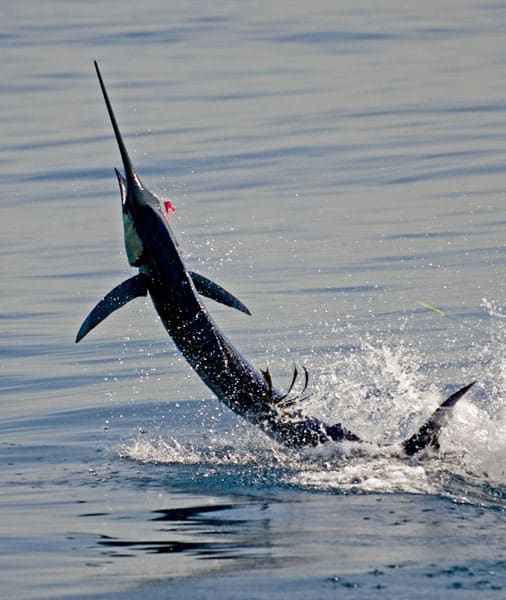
[384, 475]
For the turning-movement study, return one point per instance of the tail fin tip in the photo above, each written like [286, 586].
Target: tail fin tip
[428, 434]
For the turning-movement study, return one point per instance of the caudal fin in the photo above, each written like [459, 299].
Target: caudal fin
[428, 434]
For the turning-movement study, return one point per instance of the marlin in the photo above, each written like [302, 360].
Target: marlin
[151, 247]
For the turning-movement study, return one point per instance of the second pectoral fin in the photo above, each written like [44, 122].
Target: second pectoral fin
[122, 294]
[212, 290]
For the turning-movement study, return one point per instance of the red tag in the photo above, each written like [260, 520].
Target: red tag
[169, 207]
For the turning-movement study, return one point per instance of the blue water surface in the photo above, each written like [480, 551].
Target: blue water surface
[339, 167]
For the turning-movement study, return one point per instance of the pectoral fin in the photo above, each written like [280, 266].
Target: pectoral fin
[208, 288]
[116, 298]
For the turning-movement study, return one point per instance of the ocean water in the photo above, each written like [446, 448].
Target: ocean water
[341, 168]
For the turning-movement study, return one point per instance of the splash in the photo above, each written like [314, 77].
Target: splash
[473, 445]
[232, 448]
[379, 390]
[375, 475]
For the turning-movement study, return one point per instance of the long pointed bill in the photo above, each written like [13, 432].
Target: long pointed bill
[130, 174]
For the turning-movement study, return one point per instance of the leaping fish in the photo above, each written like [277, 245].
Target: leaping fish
[151, 247]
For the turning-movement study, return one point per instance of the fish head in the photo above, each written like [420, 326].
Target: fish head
[144, 217]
